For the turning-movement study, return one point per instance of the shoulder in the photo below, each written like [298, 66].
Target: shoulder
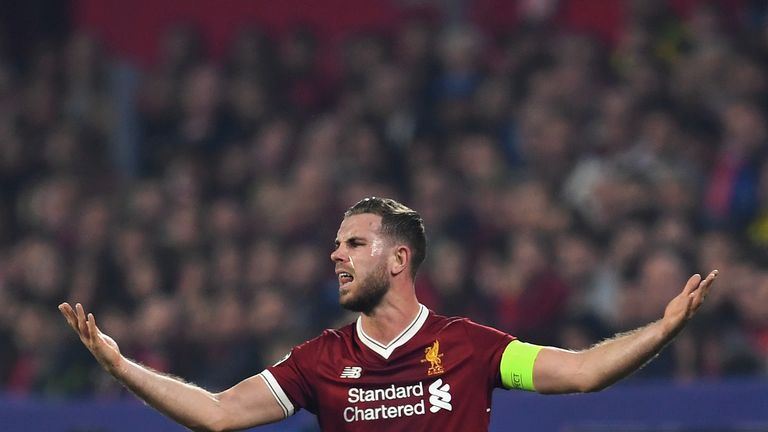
[465, 325]
[328, 337]
[440, 322]
[459, 322]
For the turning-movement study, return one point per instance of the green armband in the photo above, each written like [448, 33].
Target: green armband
[517, 365]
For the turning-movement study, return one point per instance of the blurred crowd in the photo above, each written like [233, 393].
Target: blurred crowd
[569, 188]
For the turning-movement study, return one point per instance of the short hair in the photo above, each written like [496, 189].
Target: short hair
[398, 222]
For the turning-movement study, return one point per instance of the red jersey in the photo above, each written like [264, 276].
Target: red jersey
[438, 374]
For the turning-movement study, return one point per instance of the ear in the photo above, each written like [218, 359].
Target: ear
[400, 260]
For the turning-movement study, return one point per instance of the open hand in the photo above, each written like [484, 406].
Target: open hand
[103, 347]
[684, 305]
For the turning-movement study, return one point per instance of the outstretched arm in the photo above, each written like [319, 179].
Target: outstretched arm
[561, 371]
[247, 404]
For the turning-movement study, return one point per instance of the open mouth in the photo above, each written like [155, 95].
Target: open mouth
[345, 278]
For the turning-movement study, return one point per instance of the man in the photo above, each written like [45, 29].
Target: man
[400, 366]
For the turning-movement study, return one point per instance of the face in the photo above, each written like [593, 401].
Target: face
[361, 262]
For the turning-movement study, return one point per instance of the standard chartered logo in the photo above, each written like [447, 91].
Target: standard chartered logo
[440, 398]
[394, 405]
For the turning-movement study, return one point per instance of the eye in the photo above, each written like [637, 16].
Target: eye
[355, 243]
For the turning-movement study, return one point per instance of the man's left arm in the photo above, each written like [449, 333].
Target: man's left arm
[561, 371]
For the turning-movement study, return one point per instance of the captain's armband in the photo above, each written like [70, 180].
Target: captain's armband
[517, 365]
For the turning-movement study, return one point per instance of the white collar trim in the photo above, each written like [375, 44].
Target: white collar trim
[407, 334]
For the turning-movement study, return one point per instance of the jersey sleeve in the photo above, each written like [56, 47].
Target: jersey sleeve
[489, 345]
[289, 380]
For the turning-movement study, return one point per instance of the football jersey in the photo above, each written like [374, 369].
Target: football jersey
[438, 374]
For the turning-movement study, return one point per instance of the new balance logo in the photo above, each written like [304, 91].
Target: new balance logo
[439, 396]
[351, 372]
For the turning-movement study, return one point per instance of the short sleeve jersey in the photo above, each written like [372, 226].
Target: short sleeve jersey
[438, 374]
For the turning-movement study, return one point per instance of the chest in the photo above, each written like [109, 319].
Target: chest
[420, 381]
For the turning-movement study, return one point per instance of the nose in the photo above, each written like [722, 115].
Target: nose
[338, 256]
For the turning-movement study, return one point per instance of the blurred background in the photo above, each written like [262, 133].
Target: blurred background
[181, 168]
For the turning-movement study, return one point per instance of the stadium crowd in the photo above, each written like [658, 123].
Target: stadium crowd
[569, 187]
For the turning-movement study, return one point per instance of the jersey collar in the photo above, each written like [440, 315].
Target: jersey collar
[407, 334]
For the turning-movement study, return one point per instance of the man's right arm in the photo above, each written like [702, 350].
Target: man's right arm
[247, 404]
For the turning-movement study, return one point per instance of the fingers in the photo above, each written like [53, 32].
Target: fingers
[82, 325]
[705, 284]
[692, 284]
[85, 328]
[700, 293]
[92, 325]
[69, 315]
[710, 278]
[703, 289]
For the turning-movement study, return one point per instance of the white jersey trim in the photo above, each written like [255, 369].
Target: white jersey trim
[407, 334]
[278, 393]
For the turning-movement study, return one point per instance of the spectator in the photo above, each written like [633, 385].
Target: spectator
[564, 182]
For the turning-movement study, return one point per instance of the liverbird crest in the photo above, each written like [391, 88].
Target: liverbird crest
[433, 355]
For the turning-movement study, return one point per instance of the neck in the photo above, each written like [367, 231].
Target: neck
[390, 318]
